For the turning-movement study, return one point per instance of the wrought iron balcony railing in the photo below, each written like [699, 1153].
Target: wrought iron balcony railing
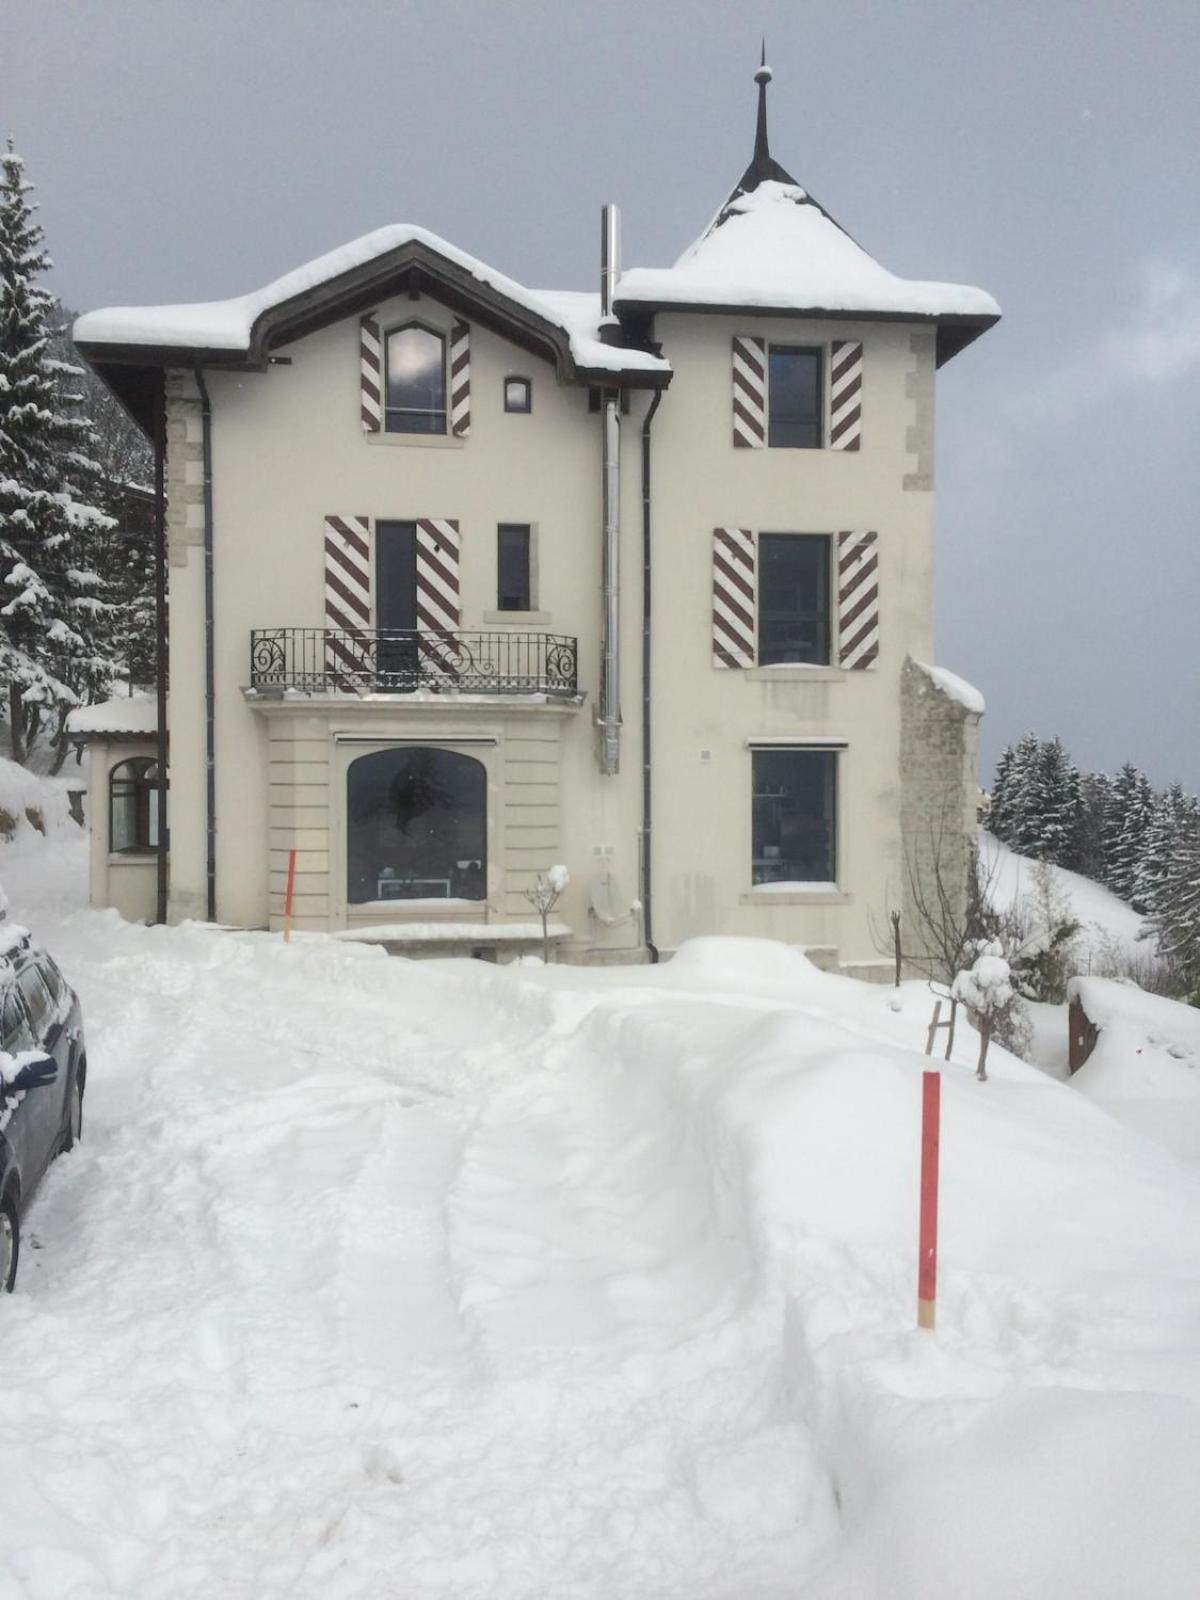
[402, 660]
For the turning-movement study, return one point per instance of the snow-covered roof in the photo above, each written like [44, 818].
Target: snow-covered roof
[129, 714]
[229, 325]
[774, 248]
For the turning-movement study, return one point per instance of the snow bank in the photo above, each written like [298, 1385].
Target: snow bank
[485, 1283]
[229, 324]
[1112, 929]
[775, 248]
[1145, 1068]
[33, 807]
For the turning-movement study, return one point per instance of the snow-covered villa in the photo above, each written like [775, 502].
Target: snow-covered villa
[465, 579]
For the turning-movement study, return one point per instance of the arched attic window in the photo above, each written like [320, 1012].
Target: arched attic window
[133, 806]
[415, 394]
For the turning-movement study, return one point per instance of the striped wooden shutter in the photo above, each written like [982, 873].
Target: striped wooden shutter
[370, 370]
[858, 600]
[749, 391]
[439, 610]
[734, 598]
[845, 395]
[460, 379]
[347, 601]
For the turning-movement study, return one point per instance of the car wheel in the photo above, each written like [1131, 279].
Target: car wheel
[74, 1113]
[10, 1242]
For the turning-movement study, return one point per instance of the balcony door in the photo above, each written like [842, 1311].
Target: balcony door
[396, 604]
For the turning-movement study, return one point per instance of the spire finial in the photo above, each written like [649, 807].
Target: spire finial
[762, 78]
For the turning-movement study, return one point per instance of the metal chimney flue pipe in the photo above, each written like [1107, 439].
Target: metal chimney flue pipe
[610, 257]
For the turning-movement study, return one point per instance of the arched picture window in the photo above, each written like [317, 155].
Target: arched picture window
[416, 826]
[133, 806]
[416, 381]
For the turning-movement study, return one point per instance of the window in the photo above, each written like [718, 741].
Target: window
[36, 997]
[513, 589]
[518, 394]
[793, 599]
[794, 816]
[416, 826]
[133, 806]
[15, 1032]
[416, 381]
[794, 397]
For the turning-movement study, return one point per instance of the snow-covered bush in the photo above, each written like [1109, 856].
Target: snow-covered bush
[544, 896]
[985, 988]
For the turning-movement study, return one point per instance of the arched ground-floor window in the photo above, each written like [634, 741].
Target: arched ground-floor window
[416, 826]
[133, 806]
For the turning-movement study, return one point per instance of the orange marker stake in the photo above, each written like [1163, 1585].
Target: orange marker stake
[287, 903]
[931, 1100]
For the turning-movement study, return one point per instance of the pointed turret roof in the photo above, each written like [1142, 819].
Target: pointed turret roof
[773, 248]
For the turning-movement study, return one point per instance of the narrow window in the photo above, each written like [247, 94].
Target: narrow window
[133, 806]
[416, 381]
[794, 397]
[793, 599]
[513, 591]
[794, 816]
[518, 394]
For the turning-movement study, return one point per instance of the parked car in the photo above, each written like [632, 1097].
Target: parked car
[43, 1070]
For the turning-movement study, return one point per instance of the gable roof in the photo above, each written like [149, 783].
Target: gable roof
[243, 331]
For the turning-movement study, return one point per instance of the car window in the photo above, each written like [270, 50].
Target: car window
[37, 998]
[53, 979]
[15, 1034]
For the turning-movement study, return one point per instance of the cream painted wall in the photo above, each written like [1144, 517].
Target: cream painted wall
[704, 716]
[288, 450]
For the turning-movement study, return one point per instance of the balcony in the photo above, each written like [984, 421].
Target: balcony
[403, 661]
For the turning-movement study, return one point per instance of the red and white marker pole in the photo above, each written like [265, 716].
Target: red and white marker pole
[289, 897]
[931, 1103]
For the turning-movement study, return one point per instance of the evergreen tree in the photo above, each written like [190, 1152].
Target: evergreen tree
[1012, 793]
[1052, 823]
[1088, 852]
[53, 649]
[1127, 823]
[1163, 837]
[1176, 916]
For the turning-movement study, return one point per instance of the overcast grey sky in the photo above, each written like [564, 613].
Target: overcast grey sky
[1047, 151]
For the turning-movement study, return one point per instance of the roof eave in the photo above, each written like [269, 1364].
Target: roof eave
[955, 330]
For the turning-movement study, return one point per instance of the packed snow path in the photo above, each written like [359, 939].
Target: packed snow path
[437, 1279]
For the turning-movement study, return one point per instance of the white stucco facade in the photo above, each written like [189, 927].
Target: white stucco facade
[288, 450]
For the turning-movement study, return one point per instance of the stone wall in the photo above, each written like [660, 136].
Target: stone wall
[938, 744]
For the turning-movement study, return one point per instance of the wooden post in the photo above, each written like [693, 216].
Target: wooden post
[897, 955]
[289, 897]
[934, 1025]
[931, 1097]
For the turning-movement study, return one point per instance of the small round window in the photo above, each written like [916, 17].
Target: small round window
[518, 394]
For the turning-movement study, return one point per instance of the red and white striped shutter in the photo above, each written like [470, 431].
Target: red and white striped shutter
[460, 379]
[749, 391]
[858, 600]
[439, 610]
[347, 598]
[370, 374]
[845, 395]
[734, 599]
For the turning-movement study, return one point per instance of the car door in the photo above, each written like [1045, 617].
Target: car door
[16, 1114]
[44, 1105]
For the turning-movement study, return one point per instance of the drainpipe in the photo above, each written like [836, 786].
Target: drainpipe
[609, 713]
[210, 759]
[160, 647]
[647, 884]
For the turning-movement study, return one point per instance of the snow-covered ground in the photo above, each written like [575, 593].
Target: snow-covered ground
[438, 1279]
